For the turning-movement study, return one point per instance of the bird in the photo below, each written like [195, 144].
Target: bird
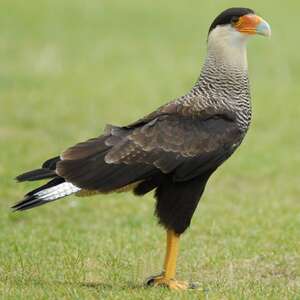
[172, 151]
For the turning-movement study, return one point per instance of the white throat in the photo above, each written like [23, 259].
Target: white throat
[228, 47]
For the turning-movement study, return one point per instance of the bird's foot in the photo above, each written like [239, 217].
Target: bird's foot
[173, 284]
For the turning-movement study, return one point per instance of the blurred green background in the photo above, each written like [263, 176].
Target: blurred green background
[69, 67]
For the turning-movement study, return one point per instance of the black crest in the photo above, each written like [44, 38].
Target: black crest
[229, 15]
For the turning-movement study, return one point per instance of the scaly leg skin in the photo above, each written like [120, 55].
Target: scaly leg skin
[166, 278]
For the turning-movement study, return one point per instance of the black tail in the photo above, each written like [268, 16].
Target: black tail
[47, 171]
[53, 190]
[37, 174]
[30, 200]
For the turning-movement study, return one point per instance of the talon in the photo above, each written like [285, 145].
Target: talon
[162, 281]
[150, 281]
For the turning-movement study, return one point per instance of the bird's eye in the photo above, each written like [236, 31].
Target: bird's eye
[234, 20]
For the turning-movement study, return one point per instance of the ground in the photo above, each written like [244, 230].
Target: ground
[69, 67]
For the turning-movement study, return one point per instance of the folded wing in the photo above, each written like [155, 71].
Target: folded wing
[165, 144]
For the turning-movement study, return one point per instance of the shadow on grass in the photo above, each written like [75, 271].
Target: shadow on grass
[100, 286]
[97, 286]
[104, 286]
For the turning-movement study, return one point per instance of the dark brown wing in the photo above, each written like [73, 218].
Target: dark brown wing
[166, 144]
[171, 143]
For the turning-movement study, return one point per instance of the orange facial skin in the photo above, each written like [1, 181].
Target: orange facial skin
[248, 24]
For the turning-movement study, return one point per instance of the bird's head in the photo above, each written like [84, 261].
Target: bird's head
[231, 29]
[240, 23]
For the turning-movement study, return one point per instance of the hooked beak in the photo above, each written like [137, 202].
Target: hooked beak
[253, 24]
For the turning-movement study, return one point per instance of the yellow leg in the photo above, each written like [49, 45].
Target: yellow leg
[171, 254]
[167, 278]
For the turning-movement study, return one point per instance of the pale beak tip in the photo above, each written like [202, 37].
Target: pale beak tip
[263, 28]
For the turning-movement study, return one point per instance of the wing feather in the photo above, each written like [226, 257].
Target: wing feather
[164, 144]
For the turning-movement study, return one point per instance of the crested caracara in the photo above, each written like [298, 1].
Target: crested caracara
[175, 149]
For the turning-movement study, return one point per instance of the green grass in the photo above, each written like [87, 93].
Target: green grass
[69, 67]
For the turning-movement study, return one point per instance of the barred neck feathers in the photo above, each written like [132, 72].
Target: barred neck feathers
[224, 82]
